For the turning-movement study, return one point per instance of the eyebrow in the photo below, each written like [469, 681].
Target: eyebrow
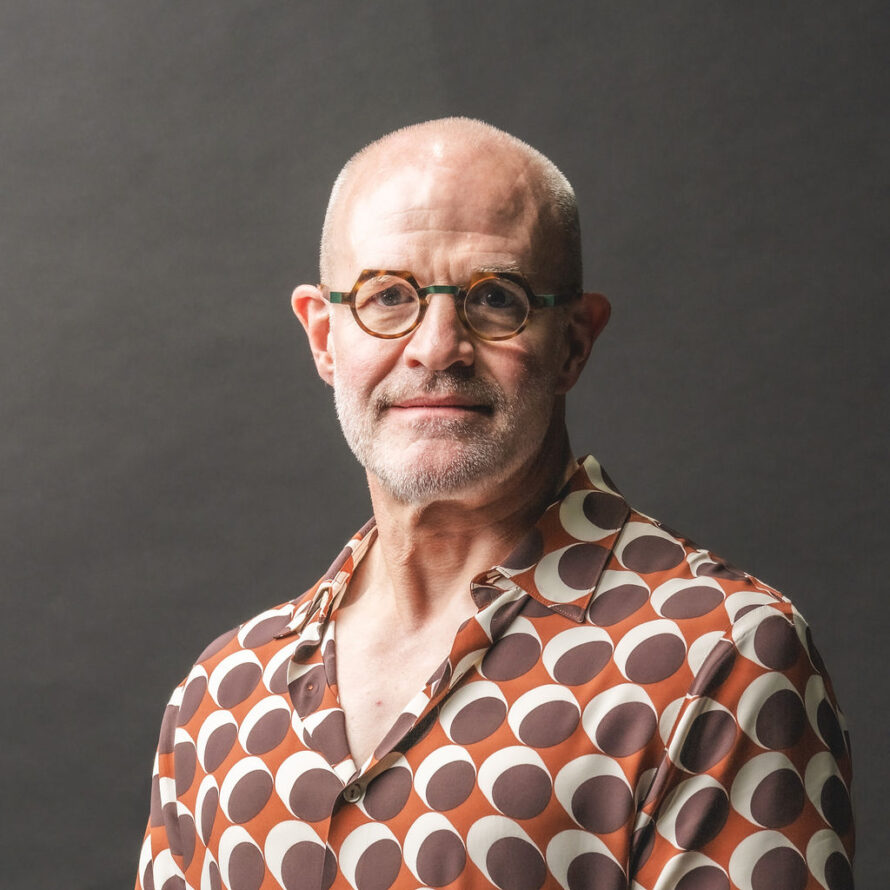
[498, 267]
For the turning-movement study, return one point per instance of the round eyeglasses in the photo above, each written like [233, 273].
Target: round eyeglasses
[493, 306]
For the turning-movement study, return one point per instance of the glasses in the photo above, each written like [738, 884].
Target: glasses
[493, 306]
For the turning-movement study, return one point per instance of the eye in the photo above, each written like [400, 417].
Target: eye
[494, 295]
[393, 296]
[496, 307]
[385, 292]
[387, 305]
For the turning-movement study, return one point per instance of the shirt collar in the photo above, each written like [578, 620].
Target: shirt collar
[558, 562]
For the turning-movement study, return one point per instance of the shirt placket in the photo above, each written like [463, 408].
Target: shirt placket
[318, 719]
[471, 643]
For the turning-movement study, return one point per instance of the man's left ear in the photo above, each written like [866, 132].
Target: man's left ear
[587, 318]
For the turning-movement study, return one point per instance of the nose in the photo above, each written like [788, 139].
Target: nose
[440, 340]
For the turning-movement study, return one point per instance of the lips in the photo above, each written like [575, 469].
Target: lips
[443, 392]
[454, 402]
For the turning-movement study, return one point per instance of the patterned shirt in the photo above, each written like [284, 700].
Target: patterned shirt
[624, 709]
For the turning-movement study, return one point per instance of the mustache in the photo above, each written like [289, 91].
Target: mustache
[449, 382]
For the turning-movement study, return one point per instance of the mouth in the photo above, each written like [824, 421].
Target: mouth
[442, 406]
[439, 403]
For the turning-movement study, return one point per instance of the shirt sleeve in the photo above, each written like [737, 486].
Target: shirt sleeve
[161, 856]
[753, 790]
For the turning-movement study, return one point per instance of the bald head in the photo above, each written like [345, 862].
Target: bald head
[487, 174]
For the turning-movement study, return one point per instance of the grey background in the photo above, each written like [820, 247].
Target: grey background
[169, 462]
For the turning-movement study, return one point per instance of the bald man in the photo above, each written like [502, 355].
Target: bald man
[508, 677]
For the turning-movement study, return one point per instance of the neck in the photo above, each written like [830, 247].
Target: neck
[426, 554]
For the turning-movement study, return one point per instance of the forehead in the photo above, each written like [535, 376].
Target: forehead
[447, 216]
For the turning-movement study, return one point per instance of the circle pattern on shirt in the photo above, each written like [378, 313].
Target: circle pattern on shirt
[241, 861]
[621, 720]
[544, 716]
[771, 712]
[505, 854]
[714, 669]
[696, 811]
[370, 857]
[828, 793]
[591, 515]
[306, 785]
[298, 858]
[434, 851]
[681, 598]
[185, 757]
[577, 655]
[206, 805]
[187, 834]
[647, 548]
[192, 695]
[823, 717]
[326, 733]
[515, 653]
[265, 725]
[618, 595]
[261, 629]
[473, 712]
[693, 871]
[827, 860]
[387, 793]
[516, 782]
[768, 791]
[245, 790]
[595, 793]
[235, 678]
[445, 778]
[216, 739]
[651, 652]
[579, 861]
[766, 860]
[569, 572]
[710, 737]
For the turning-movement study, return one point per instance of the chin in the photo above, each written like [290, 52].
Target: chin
[439, 469]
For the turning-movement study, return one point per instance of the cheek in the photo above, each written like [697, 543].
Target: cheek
[533, 366]
[358, 358]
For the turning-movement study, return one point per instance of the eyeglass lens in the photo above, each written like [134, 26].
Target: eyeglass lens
[494, 307]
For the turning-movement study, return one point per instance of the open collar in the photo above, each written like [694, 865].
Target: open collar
[558, 562]
[560, 559]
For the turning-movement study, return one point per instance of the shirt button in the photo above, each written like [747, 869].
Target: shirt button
[353, 793]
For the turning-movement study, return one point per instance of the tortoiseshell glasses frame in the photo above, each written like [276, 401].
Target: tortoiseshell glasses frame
[492, 306]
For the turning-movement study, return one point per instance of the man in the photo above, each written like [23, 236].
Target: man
[508, 678]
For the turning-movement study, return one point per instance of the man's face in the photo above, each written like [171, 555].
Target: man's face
[440, 413]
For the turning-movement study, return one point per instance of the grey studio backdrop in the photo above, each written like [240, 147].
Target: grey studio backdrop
[170, 462]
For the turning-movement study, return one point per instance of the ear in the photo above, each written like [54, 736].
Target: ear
[587, 318]
[314, 313]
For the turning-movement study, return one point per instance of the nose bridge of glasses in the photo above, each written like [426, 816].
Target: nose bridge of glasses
[456, 293]
[440, 336]
[431, 289]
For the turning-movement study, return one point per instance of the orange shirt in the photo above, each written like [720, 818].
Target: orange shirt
[623, 710]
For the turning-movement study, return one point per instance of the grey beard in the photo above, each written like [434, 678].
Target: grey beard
[413, 483]
[482, 457]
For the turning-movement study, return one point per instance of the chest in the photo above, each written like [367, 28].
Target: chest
[378, 673]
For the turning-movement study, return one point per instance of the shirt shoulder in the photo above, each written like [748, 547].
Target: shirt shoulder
[663, 598]
[683, 581]
[229, 670]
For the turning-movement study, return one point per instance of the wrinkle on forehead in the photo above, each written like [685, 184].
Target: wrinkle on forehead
[455, 174]
[392, 209]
